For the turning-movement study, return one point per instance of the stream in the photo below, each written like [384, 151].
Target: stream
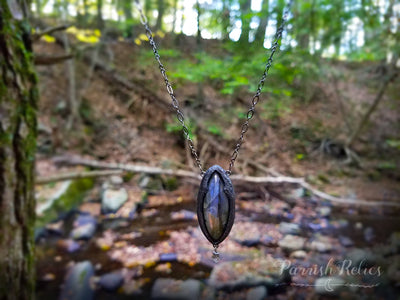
[163, 241]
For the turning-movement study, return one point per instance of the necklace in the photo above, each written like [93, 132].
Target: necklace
[216, 197]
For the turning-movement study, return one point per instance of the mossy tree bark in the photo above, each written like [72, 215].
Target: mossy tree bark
[18, 101]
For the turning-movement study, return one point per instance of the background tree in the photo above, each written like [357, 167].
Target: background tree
[262, 26]
[225, 19]
[18, 104]
[245, 18]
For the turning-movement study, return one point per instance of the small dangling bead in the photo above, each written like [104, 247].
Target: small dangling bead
[215, 255]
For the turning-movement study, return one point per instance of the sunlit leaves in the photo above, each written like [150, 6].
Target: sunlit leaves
[48, 38]
[143, 38]
[85, 35]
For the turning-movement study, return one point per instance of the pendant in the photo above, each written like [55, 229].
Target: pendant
[216, 206]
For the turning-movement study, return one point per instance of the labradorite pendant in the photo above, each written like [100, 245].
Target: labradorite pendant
[216, 206]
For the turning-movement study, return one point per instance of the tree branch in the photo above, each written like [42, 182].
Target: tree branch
[77, 175]
[51, 59]
[50, 30]
[74, 160]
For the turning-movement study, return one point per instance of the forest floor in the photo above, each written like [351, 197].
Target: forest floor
[131, 124]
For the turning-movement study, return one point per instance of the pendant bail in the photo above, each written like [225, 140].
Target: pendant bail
[215, 254]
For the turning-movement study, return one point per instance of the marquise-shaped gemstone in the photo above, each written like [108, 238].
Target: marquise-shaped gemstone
[215, 207]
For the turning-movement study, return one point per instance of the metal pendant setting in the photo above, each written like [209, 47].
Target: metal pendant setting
[216, 205]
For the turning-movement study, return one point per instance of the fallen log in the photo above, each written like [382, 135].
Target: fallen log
[45, 60]
[76, 175]
[74, 160]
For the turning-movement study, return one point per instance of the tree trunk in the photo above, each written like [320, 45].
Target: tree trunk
[365, 119]
[262, 27]
[199, 45]
[147, 8]
[85, 12]
[38, 4]
[127, 8]
[100, 20]
[174, 13]
[226, 19]
[18, 105]
[161, 10]
[244, 17]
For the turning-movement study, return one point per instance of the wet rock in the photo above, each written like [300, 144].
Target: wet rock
[361, 258]
[84, 227]
[183, 215]
[319, 224]
[84, 219]
[289, 228]
[208, 293]
[324, 211]
[329, 285]
[346, 241]
[338, 224]
[166, 288]
[298, 193]
[299, 254]
[68, 245]
[369, 234]
[91, 208]
[84, 232]
[257, 293]
[321, 244]
[252, 233]
[133, 287]
[168, 257]
[263, 270]
[292, 243]
[56, 227]
[77, 282]
[116, 180]
[288, 215]
[113, 199]
[40, 233]
[111, 282]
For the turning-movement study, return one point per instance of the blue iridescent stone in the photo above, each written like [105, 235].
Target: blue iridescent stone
[215, 207]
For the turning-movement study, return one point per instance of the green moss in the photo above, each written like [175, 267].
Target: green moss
[70, 199]
[170, 183]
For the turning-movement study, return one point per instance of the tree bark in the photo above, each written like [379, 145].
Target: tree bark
[18, 105]
[100, 20]
[175, 16]
[226, 19]
[262, 27]
[244, 17]
[161, 10]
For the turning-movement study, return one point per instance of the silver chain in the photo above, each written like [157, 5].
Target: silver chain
[175, 103]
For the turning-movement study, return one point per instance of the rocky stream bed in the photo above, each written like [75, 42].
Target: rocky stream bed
[116, 240]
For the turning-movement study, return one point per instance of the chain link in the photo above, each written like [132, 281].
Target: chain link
[170, 90]
[175, 104]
